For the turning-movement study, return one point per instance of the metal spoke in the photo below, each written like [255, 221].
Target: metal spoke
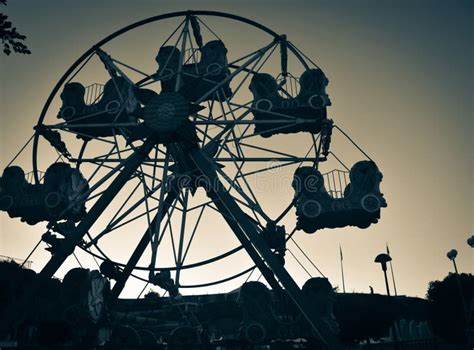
[209, 29]
[112, 68]
[199, 205]
[184, 35]
[168, 220]
[103, 157]
[193, 233]
[89, 136]
[132, 68]
[115, 223]
[235, 180]
[250, 203]
[288, 117]
[101, 164]
[119, 154]
[239, 173]
[173, 33]
[81, 67]
[181, 237]
[134, 206]
[84, 196]
[116, 226]
[258, 133]
[260, 53]
[193, 56]
[147, 207]
[299, 263]
[252, 70]
[219, 159]
[271, 168]
[224, 114]
[112, 125]
[267, 150]
[153, 238]
[124, 204]
[159, 75]
[170, 229]
[306, 256]
[248, 187]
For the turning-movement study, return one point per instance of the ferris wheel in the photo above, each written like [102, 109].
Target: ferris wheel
[156, 154]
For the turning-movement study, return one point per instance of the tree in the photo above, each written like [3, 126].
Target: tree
[364, 316]
[11, 39]
[370, 316]
[449, 313]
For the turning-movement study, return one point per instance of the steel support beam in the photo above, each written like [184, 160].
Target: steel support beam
[140, 249]
[234, 225]
[69, 244]
[227, 203]
[181, 155]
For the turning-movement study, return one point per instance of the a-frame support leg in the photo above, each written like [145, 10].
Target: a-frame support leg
[69, 244]
[234, 225]
[140, 249]
[224, 201]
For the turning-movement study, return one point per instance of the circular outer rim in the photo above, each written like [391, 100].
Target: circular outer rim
[130, 27]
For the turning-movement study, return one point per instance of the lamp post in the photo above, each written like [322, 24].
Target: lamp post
[452, 254]
[470, 241]
[382, 259]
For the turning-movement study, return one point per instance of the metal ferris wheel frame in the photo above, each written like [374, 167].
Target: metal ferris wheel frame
[215, 258]
[239, 222]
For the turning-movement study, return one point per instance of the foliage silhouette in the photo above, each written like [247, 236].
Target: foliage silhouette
[449, 317]
[364, 316]
[11, 39]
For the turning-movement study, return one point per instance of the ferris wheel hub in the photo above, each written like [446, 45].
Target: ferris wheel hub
[164, 113]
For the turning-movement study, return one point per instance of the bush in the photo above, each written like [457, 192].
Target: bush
[449, 315]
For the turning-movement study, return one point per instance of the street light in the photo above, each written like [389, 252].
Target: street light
[382, 259]
[470, 241]
[452, 254]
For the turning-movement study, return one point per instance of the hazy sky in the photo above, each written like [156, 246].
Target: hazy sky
[401, 83]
